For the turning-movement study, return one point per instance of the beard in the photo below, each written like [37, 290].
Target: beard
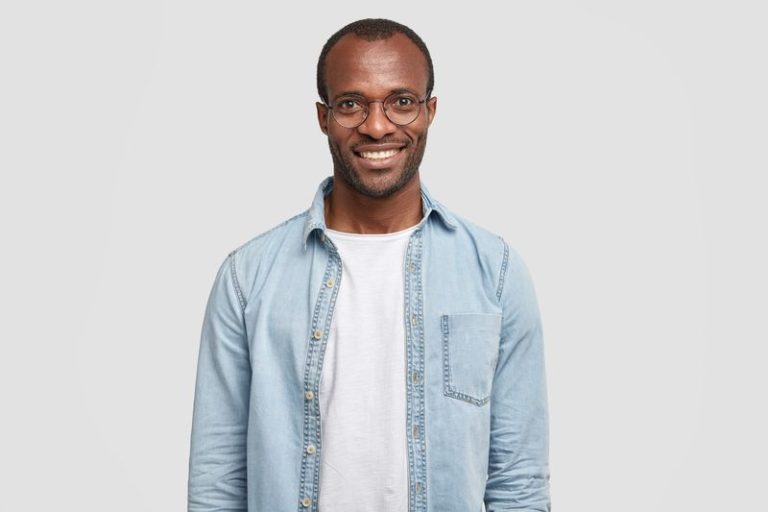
[345, 167]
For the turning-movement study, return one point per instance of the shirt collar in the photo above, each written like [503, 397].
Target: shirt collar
[316, 214]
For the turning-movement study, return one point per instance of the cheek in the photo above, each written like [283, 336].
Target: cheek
[340, 140]
[418, 129]
[417, 134]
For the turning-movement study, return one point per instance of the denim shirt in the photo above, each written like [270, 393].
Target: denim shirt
[477, 414]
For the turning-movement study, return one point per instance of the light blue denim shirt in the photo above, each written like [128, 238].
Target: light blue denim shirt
[477, 416]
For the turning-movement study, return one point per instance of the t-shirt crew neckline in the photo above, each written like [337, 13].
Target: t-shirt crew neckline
[345, 235]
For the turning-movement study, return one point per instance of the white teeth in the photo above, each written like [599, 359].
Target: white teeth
[378, 155]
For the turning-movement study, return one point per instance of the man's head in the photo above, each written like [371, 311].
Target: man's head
[369, 61]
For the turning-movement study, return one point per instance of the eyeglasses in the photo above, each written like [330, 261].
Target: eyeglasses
[350, 111]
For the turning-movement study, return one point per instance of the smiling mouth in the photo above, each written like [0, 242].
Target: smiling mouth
[378, 155]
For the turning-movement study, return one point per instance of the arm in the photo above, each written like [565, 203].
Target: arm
[217, 458]
[518, 465]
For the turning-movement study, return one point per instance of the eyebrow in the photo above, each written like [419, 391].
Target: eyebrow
[399, 90]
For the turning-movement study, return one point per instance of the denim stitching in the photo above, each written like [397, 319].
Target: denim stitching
[421, 497]
[446, 365]
[409, 370]
[311, 366]
[448, 389]
[233, 255]
[334, 257]
[233, 272]
[415, 410]
[270, 230]
[503, 271]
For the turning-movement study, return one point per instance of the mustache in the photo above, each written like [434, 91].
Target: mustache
[385, 140]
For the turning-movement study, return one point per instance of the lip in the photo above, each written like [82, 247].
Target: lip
[382, 163]
[379, 147]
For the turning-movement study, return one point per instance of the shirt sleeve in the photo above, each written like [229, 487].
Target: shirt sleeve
[217, 460]
[518, 464]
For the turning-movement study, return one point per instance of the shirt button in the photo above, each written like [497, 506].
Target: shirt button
[416, 431]
[413, 319]
[306, 502]
[415, 377]
[322, 237]
[329, 283]
[412, 267]
[311, 449]
[309, 395]
[317, 334]
[418, 487]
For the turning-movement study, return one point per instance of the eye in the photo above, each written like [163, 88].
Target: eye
[347, 105]
[403, 102]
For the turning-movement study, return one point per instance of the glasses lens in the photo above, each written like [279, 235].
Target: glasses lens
[349, 112]
[402, 108]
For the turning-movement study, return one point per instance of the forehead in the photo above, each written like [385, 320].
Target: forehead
[375, 68]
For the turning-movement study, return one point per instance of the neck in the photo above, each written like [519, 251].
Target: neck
[350, 211]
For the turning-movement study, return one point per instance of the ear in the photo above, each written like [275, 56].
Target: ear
[322, 117]
[431, 108]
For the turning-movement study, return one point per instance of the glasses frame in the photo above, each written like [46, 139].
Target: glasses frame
[367, 104]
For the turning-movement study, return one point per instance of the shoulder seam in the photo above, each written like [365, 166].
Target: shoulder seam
[233, 255]
[273, 228]
[503, 270]
[233, 271]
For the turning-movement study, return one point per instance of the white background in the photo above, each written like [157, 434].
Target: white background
[620, 147]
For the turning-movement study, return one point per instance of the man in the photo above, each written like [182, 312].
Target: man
[376, 352]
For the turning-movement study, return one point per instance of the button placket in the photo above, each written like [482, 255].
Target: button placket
[415, 368]
[308, 493]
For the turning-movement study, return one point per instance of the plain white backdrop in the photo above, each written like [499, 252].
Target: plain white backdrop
[620, 147]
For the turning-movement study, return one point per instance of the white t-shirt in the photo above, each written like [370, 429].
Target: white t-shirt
[364, 458]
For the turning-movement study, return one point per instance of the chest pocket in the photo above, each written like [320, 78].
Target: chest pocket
[470, 353]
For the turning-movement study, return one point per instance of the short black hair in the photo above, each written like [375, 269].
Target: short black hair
[372, 29]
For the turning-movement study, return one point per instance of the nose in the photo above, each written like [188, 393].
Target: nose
[377, 124]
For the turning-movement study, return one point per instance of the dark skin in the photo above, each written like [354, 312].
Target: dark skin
[375, 196]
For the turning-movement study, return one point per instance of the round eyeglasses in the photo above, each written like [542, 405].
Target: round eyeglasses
[350, 111]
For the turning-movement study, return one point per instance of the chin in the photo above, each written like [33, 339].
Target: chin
[378, 183]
